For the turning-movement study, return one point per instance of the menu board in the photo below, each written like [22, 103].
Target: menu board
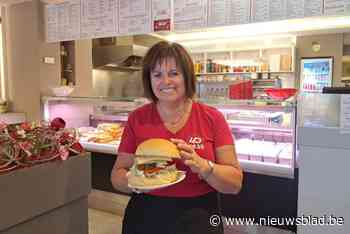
[336, 7]
[135, 16]
[295, 9]
[313, 8]
[161, 15]
[277, 9]
[260, 10]
[51, 22]
[63, 21]
[228, 12]
[99, 18]
[240, 12]
[267, 10]
[190, 14]
[217, 12]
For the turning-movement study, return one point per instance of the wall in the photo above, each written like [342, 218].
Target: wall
[28, 76]
[49, 73]
[346, 38]
[22, 58]
[83, 68]
[331, 45]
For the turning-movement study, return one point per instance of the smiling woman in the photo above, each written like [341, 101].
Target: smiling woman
[208, 161]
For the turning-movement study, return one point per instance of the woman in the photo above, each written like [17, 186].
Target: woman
[202, 136]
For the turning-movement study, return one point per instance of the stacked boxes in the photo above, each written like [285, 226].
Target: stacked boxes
[241, 90]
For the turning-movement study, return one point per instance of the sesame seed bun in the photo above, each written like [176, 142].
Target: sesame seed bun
[159, 148]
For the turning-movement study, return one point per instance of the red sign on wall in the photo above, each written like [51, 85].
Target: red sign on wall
[161, 25]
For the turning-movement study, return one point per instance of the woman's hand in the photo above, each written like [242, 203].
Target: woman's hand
[191, 158]
[226, 177]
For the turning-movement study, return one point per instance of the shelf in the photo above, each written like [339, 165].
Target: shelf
[237, 125]
[233, 73]
[263, 80]
[130, 100]
[12, 118]
[101, 148]
[265, 168]
[262, 87]
[217, 81]
[222, 73]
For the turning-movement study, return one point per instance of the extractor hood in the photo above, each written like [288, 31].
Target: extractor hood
[118, 57]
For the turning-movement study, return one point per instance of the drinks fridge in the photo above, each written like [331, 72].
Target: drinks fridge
[315, 73]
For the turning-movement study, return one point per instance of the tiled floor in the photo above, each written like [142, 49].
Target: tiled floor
[106, 223]
[107, 209]
[101, 222]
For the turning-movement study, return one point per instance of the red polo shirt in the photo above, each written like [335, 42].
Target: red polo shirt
[206, 129]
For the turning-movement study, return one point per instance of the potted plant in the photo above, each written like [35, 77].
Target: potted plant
[45, 178]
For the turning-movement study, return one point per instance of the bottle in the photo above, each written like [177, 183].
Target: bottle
[209, 65]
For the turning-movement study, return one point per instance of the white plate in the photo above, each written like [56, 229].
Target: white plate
[181, 177]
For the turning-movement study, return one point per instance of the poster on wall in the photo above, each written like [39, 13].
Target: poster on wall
[229, 12]
[218, 12]
[69, 20]
[63, 21]
[190, 14]
[240, 12]
[135, 17]
[313, 8]
[260, 10]
[99, 18]
[162, 15]
[295, 9]
[315, 73]
[51, 23]
[304, 8]
[336, 7]
[277, 9]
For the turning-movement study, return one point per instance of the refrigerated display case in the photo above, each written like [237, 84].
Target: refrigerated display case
[264, 132]
[98, 120]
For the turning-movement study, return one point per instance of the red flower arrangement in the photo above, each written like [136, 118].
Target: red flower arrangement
[28, 144]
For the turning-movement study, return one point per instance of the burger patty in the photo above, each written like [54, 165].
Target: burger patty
[152, 168]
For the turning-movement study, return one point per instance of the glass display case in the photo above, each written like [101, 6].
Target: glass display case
[264, 134]
[264, 131]
[99, 120]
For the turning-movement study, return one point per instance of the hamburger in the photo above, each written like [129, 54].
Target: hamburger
[154, 164]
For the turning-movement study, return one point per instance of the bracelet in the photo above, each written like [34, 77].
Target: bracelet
[211, 166]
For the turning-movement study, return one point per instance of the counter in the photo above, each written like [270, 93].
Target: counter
[264, 135]
[12, 118]
[324, 161]
[264, 132]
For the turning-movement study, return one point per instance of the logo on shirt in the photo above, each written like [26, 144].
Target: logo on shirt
[196, 142]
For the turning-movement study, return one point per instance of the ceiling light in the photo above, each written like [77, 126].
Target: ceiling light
[292, 26]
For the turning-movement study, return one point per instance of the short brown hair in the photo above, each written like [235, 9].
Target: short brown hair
[160, 52]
